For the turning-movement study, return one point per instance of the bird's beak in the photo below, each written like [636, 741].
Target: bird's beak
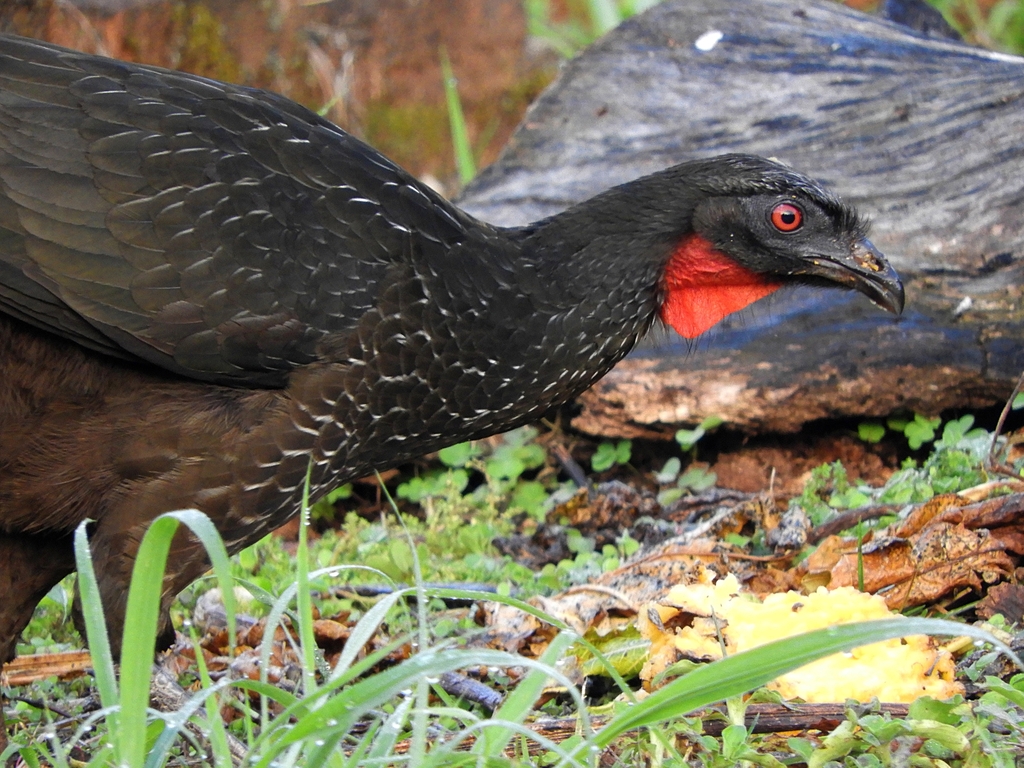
[864, 269]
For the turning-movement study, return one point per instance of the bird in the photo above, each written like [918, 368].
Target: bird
[209, 293]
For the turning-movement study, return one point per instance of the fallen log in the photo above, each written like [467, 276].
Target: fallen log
[921, 134]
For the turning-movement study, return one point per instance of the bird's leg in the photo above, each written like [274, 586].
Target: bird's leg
[29, 567]
[114, 550]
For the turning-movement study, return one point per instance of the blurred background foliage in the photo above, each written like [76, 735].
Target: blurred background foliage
[437, 85]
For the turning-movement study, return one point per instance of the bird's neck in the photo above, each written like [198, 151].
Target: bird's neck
[703, 285]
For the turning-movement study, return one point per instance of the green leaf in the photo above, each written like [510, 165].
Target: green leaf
[921, 430]
[608, 455]
[669, 472]
[530, 496]
[603, 458]
[248, 558]
[711, 422]
[687, 438]
[737, 540]
[801, 747]
[1018, 401]
[629, 545]
[896, 424]
[505, 464]
[625, 649]
[521, 436]
[623, 451]
[458, 455]
[670, 495]
[577, 542]
[927, 708]
[339, 493]
[955, 431]
[433, 484]
[697, 479]
[851, 498]
[946, 736]
[533, 455]
[734, 739]
[1006, 690]
[870, 431]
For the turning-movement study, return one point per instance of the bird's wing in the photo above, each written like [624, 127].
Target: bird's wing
[216, 231]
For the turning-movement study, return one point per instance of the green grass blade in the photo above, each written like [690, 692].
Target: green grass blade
[607, 665]
[604, 15]
[140, 637]
[142, 613]
[96, 624]
[276, 614]
[519, 703]
[295, 708]
[538, 24]
[341, 673]
[418, 740]
[338, 715]
[304, 602]
[270, 624]
[464, 160]
[215, 727]
[529, 734]
[175, 721]
[389, 732]
[364, 630]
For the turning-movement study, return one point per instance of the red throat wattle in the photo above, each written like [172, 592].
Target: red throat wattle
[703, 285]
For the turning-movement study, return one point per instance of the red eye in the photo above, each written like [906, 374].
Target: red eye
[786, 217]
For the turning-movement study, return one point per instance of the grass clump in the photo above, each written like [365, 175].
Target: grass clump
[356, 713]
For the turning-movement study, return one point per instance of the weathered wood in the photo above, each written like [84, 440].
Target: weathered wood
[923, 135]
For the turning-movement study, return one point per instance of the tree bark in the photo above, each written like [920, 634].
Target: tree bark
[922, 135]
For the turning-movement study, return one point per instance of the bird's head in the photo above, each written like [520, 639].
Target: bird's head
[755, 226]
